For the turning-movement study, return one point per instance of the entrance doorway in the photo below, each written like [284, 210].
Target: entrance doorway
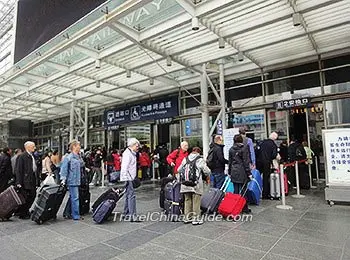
[298, 125]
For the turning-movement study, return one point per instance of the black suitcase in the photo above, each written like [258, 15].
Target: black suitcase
[173, 203]
[163, 183]
[211, 200]
[47, 203]
[110, 194]
[84, 200]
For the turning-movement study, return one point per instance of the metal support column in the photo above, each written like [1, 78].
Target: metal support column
[71, 121]
[86, 126]
[222, 94]
[205, 112]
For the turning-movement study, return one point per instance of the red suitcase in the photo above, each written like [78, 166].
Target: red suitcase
[232, 205]
[10, 200]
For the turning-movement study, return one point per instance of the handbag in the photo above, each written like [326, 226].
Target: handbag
[135, 182]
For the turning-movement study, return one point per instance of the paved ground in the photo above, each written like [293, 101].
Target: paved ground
[312, 230]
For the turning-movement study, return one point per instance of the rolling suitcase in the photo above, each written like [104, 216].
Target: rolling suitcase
[47, 203]
[114, 194]
[255, 188]
[104, 211]
[163, 183]
[10, 200]
[211, 200]
[275, 185]
[173, 199]
[233, 204]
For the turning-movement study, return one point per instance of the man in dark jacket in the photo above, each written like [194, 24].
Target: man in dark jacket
[216, 161]
[5, 169]
[267, 151]
[26, 178]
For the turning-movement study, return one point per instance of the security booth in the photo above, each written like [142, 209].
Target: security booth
[150, 122]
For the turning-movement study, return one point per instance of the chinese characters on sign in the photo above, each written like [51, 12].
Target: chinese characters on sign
[293, 103]
[337, 145]
[149, 111]
[340, 152]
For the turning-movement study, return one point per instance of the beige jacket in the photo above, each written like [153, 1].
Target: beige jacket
[201, 168]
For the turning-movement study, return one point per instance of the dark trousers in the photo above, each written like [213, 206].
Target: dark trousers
[144, 170]
[29, 196]
[163, 170]
[265, 169]
[237, 190]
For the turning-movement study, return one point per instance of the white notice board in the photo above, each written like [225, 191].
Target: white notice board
[228, 135]
[336, 144]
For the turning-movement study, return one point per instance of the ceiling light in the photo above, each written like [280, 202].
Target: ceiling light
[221, 43]
[168, 61]
[98, 64]
[151, 81]
[128, 73]
[74, 92]
[98, 84]
[240, 56]
[195, 23]
[296, 19]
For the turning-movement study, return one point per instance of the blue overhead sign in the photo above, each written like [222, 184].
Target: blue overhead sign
[147, 111]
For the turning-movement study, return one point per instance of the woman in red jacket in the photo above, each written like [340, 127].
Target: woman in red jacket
[145, 163]
[176, 157]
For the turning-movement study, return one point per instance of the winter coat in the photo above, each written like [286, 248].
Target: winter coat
[177, 157]
[239, 168]
[25, 176]
[267, 151]
[218, 157]
[5, 171]
[201, 168]
[144, 160]
[117, 161]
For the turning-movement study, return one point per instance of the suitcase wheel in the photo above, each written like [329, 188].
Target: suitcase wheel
[39, 221]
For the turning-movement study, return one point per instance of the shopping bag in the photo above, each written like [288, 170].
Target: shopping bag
[49, 180]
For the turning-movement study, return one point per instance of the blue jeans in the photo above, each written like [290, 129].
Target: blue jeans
[219, 179]
[72, 207]
[130, 200]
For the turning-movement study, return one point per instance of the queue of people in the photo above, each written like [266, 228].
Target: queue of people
[185, 165]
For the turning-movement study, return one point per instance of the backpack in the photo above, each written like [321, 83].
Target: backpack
[210, 159]
[188, 174]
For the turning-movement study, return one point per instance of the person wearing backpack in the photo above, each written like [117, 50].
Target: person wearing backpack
[190, 174]
[216, 162]
[239, 167]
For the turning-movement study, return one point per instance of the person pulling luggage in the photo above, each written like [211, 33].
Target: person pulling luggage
[190, 172]
[5, 169]
[71, 176]
[26, 178]
[128, 174]
[239, 167]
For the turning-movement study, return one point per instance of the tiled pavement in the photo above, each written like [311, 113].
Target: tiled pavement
[312, 230]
